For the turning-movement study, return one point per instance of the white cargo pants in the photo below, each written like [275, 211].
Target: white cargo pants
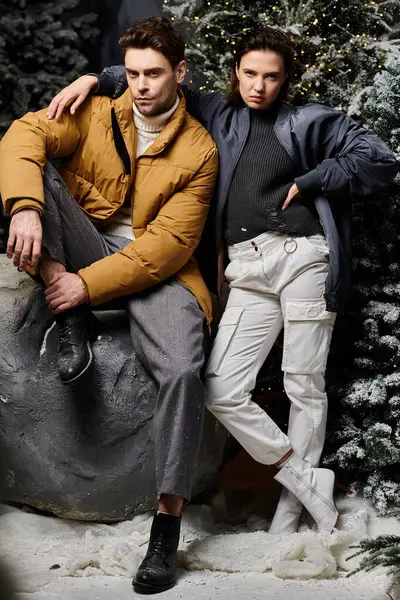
[275, 281]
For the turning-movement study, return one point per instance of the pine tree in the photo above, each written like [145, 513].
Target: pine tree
[381, 105]
[365, 443]
[42, 49]
[340, 45]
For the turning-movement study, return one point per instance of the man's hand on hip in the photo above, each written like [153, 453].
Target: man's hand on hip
[25, 238]
[65, 291]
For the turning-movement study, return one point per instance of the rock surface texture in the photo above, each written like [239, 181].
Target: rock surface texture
[83, 451]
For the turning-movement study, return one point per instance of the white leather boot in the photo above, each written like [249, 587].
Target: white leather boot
[287, 514]
[313, 487]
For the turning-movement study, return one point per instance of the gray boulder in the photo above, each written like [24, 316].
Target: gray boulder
[83, 451]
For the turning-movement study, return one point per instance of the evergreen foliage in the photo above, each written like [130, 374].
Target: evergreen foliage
[364, 371]
[383, 551]
[381, 105]
[340, 45]
[42, 48]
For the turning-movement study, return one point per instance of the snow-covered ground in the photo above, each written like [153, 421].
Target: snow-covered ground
[53, 559]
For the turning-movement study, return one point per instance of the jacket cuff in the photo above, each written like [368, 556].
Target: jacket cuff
[309, 184]
[106, 84]
[85, 289]
[19, 205]
[95, 89]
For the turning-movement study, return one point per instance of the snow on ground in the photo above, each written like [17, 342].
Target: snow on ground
[55, 559]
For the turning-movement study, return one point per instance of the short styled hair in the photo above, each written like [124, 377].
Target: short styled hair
[267, 38]
[157, 33]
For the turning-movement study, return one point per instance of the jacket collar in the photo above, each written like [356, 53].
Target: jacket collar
[285, 110]
[171, 130]
[282, 121]
[124, 113]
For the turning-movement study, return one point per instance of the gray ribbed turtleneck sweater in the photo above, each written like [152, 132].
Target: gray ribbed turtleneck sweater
[260, 184]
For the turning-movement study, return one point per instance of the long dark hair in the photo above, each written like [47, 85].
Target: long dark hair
[263, 39]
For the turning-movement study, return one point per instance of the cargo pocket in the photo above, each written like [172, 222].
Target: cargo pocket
[318, 244]
[307, 336]
[226, 330]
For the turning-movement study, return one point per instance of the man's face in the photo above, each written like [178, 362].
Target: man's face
[152, 80]
[261, 74]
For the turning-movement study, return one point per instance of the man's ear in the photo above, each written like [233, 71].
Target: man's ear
[180, 71]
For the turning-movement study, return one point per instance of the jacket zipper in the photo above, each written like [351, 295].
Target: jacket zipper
[313, 490]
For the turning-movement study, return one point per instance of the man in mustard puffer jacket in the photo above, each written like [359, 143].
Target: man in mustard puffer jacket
[122, 217]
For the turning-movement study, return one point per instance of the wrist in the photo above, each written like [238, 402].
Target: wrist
[24, 204]
[94, 81]
[309, 184]
[85, 290]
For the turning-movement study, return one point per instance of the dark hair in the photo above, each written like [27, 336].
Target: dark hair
[157, 33]
[263, 39]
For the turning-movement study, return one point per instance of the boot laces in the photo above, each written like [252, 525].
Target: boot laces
[69, 330]
[161, 544]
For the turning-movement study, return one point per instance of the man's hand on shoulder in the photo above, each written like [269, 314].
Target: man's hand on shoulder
[73, 95]
[65, 290]
[25, 238]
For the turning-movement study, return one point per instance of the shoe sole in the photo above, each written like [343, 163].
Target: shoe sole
[144, 588]
[67, 381]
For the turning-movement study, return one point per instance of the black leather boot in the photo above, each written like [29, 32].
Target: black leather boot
[76, 329]
[157, 572]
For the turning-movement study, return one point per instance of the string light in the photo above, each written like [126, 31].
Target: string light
[339, 52]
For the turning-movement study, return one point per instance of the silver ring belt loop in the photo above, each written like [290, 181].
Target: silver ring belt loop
[290, 245]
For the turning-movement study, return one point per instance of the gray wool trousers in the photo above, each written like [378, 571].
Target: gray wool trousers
[168, 331]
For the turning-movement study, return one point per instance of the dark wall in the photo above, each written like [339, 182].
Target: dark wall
[116, 16]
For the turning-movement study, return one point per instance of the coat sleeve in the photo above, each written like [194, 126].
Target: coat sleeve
[351, 161]
[203, 106]
[164, 248]
[24, 149]
[111, 82]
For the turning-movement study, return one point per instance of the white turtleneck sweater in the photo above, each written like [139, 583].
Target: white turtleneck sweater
[147, 131]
